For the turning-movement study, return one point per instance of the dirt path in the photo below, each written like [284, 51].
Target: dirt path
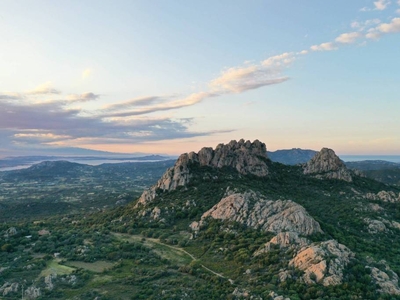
[157, 241]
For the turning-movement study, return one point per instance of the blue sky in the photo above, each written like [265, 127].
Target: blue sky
[174, 76]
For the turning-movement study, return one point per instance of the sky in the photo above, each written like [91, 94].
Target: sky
[175, 76]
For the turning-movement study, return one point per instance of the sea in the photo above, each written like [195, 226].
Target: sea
[391, 158]
[91, 162]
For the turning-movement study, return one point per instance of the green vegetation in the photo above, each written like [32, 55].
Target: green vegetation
[123, 254]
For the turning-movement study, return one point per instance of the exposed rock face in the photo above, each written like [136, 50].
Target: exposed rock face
[10, 232]
[387, 280]
[49, 281]
[327, 165]
[313, 260]
[375, 226]
[284, 240]
[32, 292]
[255, 211]
[246, 157]
[385, 196]
[8, 288]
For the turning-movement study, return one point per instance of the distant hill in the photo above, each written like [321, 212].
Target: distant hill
[372, 165]
[380, 170]
[291, 156]
[20, 161]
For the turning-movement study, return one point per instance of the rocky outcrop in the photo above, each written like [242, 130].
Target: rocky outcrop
[375, 226]
[32, 292]
[323, 262]
[385, 196]
[10, 232]
[246, 157]
[49, 281]
[284, 240]
[254, 210]
[327, 165]
[8, 288]
[387, 280]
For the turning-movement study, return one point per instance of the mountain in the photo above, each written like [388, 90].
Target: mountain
[222, 223]
[291, 156]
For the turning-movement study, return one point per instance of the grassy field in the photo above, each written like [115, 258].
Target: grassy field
[174, 254]
[53, 267]
[96, 267]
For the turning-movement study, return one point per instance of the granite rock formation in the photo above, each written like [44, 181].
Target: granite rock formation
[246, 157]
[254, 210]
[327, 165]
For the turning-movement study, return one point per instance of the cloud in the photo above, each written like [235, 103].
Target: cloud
[324, 47]
[392, 27]
[385, 28]
[11, 96]
[164, 106]
[50, 123]
[83, 97]
[44, 89]
[143, 101]
[86, 73]
[361, 26]
[348, 38]
[364, 9]
[249, 77]
[381, 4]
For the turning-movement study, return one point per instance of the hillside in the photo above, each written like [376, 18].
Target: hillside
[223, 223]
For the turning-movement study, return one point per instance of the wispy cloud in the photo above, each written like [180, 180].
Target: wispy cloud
[86, 73]
[137, 102]
[381, 4]
[384, 28]
[363, 25]
[89, 96]
[330, 46]
[44, 89]
[51, 123]
[378, 5]
[11, 96]
[163, 106]
[348, 38]
[241, 79]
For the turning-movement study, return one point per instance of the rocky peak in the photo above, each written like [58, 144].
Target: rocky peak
[244, 156]
[326, 164]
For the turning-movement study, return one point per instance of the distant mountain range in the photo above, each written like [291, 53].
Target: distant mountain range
[25, 161]
[291, 156]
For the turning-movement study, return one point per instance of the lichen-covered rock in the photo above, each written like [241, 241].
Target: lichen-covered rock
[323, 262]
[327, 165]
[246, 157]
[256, 211]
